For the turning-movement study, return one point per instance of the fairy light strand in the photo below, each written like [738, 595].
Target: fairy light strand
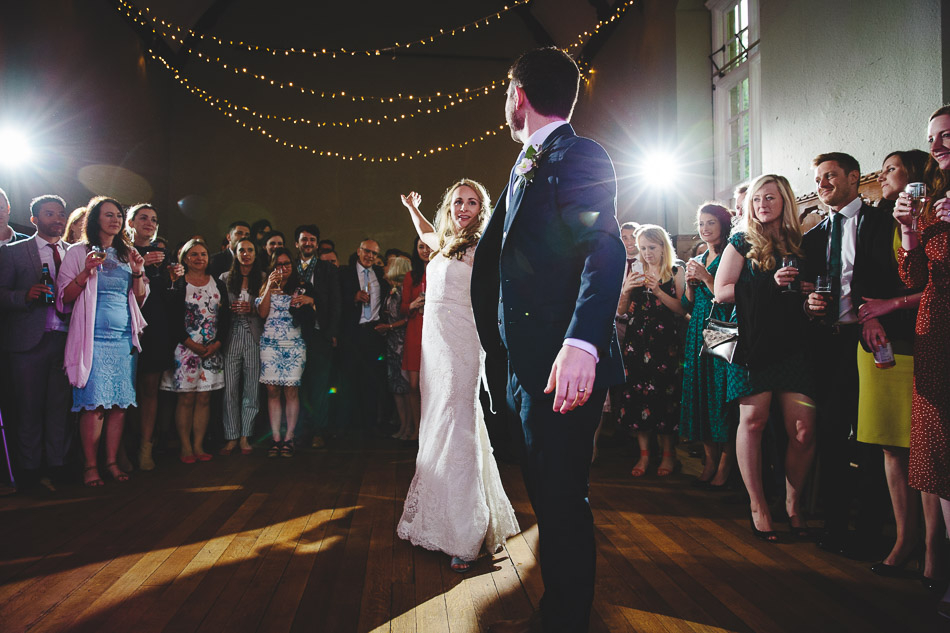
[179, 34]
[464, 94]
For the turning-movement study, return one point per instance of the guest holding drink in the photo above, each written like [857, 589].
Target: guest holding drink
[286, 303]
[200, 315]
[889, 310]
[924, 259]
[703, 410]
[155, 356]
[102, 283]
[242, 356]
[652, 348]
[771, 331]
[413, 302]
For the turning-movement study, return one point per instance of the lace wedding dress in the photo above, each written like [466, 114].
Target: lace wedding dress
[456, 502]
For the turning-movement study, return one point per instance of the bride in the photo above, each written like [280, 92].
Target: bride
[456, 503]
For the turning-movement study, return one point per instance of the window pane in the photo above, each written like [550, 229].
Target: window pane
[735, 171]
[744, 91]
[734, 140]
[744, 129]
[734, 107]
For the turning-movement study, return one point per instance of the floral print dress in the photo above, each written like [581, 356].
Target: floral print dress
[283, 351]
[653, 358]
[191, 372]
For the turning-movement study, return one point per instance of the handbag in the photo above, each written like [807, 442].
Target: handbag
[720, 338]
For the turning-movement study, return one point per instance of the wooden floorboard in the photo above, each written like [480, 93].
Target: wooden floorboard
[250, 544]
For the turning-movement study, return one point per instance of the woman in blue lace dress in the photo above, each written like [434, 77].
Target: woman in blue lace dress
[102, 282]
[286, 303]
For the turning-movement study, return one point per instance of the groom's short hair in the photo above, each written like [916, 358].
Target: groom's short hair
[550, 79]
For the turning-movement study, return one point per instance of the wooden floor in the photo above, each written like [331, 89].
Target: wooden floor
[308, 544]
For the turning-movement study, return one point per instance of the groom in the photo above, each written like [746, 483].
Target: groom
[545, 286]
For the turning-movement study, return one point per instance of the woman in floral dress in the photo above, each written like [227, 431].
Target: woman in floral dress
[653, 348]
[286, 302]
[198, 306]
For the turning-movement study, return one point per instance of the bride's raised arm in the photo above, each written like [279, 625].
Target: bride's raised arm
[423, 227]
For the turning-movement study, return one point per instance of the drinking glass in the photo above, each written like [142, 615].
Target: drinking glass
[918, 200]
[790, 261]
[823, 288]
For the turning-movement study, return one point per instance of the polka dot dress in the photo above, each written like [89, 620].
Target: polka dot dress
[930, 418]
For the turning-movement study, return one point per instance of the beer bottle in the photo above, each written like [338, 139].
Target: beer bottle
[47, 280]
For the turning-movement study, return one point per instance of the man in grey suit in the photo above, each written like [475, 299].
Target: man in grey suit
[33, 339]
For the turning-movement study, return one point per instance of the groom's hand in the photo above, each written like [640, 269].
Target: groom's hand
[572, 378]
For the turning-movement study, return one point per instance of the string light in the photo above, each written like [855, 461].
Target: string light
[179, 34]
[292, 120]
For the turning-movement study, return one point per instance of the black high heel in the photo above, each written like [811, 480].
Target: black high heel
[898, 571]
[801, 532]
[769, 536]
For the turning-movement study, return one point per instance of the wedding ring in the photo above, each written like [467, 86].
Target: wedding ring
[581, 390]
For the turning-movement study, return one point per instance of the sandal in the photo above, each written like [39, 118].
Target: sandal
[640, 472]
[274, 450]
[460, 565]
[91, 482]
[666, 472]
[228, 448]
[116, 473]
[287, 449]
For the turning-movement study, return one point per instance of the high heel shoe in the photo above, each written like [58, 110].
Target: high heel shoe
[801, 532]
[898, 571]
[769, 536]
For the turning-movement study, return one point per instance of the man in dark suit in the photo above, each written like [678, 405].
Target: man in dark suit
[221, 262]
[322, 275]
[854, 247]
[545, 286]
[34, 338]
[362, 288]
[7, 234]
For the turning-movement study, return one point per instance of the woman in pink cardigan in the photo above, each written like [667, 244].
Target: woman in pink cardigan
[101, 282]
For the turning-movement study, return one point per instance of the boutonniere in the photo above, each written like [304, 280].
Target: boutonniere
[529, 164]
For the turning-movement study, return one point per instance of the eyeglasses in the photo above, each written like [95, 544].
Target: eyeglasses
[366, 250]
[282, 265]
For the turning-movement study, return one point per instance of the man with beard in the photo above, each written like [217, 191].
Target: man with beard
[34, 338]
[221, 262]
[315, 385]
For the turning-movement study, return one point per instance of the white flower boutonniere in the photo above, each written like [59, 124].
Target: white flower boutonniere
[529, 164]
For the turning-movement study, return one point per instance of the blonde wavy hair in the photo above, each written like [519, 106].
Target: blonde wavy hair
[658, 235]
[454, 242]
[771, 243]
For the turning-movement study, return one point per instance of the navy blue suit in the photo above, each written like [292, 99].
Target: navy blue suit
[549, 268]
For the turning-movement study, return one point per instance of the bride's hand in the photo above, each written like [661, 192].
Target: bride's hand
[412, 201]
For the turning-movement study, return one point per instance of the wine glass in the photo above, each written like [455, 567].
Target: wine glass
[823, 288]
[790, 261]
[98, 253]
[918, 200]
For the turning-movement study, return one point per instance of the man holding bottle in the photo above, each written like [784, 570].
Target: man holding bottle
[33, 338]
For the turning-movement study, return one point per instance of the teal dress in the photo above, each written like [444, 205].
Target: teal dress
[772, 336]
[703, 411]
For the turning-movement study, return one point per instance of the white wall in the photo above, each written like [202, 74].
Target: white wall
[841, 75]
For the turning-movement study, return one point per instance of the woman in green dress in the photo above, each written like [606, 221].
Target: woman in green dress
[772, 325]
[703, 411]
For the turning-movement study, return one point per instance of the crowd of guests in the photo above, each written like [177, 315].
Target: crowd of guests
[841, 361]
[838, 383]
[122, 318]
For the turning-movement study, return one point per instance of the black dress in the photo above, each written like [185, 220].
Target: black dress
[653, 357]
[157, 347]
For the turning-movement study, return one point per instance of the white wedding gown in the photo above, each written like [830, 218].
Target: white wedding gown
[456, 502]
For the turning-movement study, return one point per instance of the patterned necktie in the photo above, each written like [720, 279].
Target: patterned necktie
[367, 307]
[834, 260]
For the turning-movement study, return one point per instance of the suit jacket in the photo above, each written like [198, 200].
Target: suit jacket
[324, 278]
[220, 263]
[551, 266]
[23, 323]
[350, 284]
[875, 267]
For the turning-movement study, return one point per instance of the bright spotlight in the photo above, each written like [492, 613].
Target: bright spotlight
[659, 170]
[14, 148]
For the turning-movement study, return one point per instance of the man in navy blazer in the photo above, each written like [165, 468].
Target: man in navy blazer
[545, 286]
[34, 339]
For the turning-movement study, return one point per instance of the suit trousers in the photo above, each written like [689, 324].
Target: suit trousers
[242, 375]
[364, 366]
[315, 387]
[557, 450]
[43, 398]
[837, 419]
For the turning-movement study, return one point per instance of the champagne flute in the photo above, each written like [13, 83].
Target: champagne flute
[278, 289]
[790, 261]
[823, 288]
[918, 200]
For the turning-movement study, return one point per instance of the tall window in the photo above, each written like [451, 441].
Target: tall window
[734, 66]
